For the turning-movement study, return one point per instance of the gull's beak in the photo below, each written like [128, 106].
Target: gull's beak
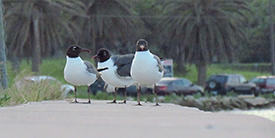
[85, 50]
[94, 57]
[142, 47]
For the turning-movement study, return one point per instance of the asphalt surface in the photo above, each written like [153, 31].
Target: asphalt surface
[62, 119]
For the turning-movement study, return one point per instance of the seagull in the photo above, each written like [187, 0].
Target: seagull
[77, 71]
[146, 69]
[118, 72]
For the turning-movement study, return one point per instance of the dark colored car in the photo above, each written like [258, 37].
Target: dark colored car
[222, 83]
[98, 85]
[179, 86]
[266, 84]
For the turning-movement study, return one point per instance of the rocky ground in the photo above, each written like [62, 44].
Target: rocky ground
[216, 103]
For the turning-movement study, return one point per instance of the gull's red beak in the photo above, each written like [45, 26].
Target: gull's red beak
[94, 57]
[85, 50]
[142, 47]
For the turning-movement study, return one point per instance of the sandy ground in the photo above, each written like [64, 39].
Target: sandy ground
[61, 119]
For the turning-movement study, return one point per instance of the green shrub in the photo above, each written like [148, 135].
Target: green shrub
[4, 99]
[24, 91]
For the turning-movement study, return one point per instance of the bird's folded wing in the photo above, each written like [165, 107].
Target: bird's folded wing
[123, 59]
[91, 68]
[123, 64]
[160, 66]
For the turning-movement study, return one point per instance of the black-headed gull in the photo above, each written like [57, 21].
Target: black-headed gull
[118, 72]
[77, 71]
[147, 68]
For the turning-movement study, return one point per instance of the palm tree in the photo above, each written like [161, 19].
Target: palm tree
[111, 23]
[34, 28]
[201, 30]
[3, 73]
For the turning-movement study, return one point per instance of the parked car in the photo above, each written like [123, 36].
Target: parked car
[179, 86]
[266, 84]
[222, 83]
[97, 86]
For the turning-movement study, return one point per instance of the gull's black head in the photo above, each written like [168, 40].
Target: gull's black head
[74, 51]
[102, 55]
[142, 45]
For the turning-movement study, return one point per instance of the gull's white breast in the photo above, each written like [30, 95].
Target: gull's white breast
[75, 72]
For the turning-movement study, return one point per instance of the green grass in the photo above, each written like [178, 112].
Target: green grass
[55, 67]
[24, 91]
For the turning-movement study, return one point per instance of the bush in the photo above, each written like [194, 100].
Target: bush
[4, 99]
[24, 91]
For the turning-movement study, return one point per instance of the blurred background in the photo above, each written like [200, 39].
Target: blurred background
[200, 37]
[196, 32]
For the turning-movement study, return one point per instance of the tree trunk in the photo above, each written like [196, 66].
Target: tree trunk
[36, 55]
[202, 69]
[3, 70]
[180, 62]
[15, 63]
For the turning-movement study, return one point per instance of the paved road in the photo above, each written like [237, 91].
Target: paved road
[61, 119]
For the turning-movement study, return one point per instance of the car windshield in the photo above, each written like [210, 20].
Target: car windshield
[187, 82]
[258, 80]
[254, 80]
[219, 78]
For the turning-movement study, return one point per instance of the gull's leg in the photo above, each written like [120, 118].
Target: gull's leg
[138, 95]
[75, 100]
[157, 104]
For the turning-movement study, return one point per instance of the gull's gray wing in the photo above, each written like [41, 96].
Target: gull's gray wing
[123, 63]
[160, 66]
[91, 68]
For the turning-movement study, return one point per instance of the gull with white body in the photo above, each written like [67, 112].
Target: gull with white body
[118, 72]
[146, 68]
[77, 71]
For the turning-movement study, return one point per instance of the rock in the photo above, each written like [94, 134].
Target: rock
[246, 96]
[226, 103]
[207, 104]
[188, 101]
[259, 101]
[214, 100]
[199, 104]
[189, 98]
[238, 103]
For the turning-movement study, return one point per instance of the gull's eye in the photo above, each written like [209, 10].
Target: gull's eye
[104, 53]
[74, 48]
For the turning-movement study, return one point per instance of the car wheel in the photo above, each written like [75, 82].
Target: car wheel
[212, 84]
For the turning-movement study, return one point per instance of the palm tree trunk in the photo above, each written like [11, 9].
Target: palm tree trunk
[3, 73]
[181, 62]
[202, 69]
[36, 55]
[200, 63]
